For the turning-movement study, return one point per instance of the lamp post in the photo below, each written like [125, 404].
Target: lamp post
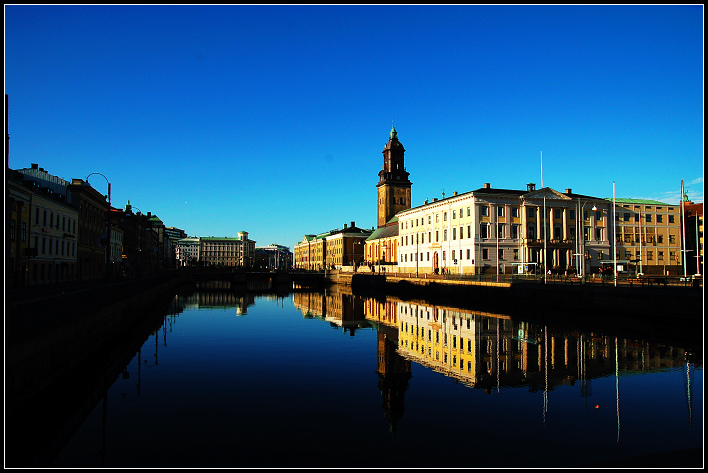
[581, 230]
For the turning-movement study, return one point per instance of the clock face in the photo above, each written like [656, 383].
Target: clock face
[398, 177]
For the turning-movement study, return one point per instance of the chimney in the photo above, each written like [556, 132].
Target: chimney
[454, 193]
[435, 199]
[353, 225]
[345, 225]
[35, 166]
[530, 187]
[487, 185]
[569, 191]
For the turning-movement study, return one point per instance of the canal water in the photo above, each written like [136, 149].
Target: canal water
[331, 379]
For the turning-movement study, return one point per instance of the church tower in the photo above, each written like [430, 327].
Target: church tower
[394, 188]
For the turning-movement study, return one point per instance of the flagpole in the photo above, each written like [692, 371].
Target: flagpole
[614, 233]
[683, 232]
[545, 252]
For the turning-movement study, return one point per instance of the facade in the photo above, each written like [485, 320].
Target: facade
[274, 257]
[648, 237]
[93, 231]
[346, 247]
[310, 252]
[502, 231]
[238, 252]
[17, 239]
[302, 253]
[51, 228]
[394, 189]
[694, 237]
[140, 243]
[381, 247]
[187, 251]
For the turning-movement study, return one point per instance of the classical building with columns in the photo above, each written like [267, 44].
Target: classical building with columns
[504, 231]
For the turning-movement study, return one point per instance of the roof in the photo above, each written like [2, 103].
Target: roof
[638, 201]
[388, 230]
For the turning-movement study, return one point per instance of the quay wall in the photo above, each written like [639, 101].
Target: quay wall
[654, 312]
[48, 337]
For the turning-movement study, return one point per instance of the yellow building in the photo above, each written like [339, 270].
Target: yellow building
[381, 247]
[648, 237]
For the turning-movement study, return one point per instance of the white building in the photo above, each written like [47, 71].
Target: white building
[187, 251]
[502, 231]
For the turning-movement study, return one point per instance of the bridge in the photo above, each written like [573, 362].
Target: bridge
[236, 278]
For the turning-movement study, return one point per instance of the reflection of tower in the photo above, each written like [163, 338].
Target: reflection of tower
[394, 188]
[394, 372]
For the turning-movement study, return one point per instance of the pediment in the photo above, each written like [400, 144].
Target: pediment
[546, 192]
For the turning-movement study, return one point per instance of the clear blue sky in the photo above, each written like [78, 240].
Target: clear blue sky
[272, 119]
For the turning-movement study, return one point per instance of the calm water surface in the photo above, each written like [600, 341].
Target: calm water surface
[331, 379]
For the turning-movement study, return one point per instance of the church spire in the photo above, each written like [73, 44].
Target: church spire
[393, 134]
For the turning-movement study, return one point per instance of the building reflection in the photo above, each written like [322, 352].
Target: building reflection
[485, 350]
[239, 301]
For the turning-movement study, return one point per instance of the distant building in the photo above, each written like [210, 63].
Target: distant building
[187, 251]
[274, 257]
[238, 252]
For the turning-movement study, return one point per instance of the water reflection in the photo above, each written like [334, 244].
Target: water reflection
[419, 348]
[489, 351]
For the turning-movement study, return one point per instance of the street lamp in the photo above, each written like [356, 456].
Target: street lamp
[581, 230]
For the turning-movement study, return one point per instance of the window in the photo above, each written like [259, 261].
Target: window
[483, 228]
[12, 230]
[454, 234]
[454, 214]
[598, 234]
[484, 210]
[530, 212]
[556, 213]
[571, 214]
[500, 211]
[444, 216]
[514, 211]
[671, 219]
[485, 253]
[514, 231]
[430, 219]
[648, 218]
[437, 236]
[672, 239]
[468, 211]
[598, 215]
[650, 255]
[468, 254]
[469, 231]
[660, 238]
[500, 254]
[659, 218]
[660, 255]
[500, 230]
[453, 255]
[445, 234]
[516, 254]
[626, 217]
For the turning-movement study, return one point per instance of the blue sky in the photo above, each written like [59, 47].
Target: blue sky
[272, 119]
